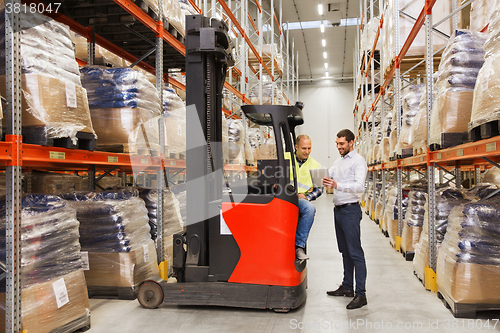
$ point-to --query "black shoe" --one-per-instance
(341, 291)
(357, 302)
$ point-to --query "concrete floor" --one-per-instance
(397, 301)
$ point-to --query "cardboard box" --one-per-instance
(451, 112)
(55, 183)
(468, 283)
(122, 269)
(410, 238)
(40, 311)
(47, 101)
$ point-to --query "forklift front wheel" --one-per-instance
(150, 294)
(282, 310)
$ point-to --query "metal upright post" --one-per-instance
(160, 172)
(297, 71)
(397, 98)
(372, 92)
(273, 88)
(458, 175)
(430, 280)
(13, 170)
(477, 174)
(261, 44)
(288, 61)
(244, 48)
(281, 43)
(294, 98)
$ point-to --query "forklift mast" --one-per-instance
(208, 55)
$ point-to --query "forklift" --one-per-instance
(238, 249)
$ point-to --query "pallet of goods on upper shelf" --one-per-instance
(54, 106)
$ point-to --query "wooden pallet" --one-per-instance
(419, 151)
(37, 135)
(448, 140)
(406, 152)
(464, 310)
(122, 293)
(408, 255)
(484, 131)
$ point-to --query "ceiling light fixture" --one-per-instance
(326, 65)
(323, 42)
(324, 55)
(320, 9)
(326, 74)
(322, 27)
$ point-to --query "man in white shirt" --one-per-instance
(347, 178)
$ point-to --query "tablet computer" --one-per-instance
(317, 176)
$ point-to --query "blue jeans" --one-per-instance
(306, 219)
(347, 229)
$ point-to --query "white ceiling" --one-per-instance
(311, 61)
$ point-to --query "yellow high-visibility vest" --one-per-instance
(304, 180)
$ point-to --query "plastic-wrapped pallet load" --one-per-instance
(114, 231)
(468, 263)
(239, 150)
(414, 219)
(174, 109)
(171, 213)
(413, 8)
(458, 70)
(269, 90)
(101, 55)
(391, 213)
(410, 102)
(53, 290)
(480, 14)
(487, 91)
(268, 51)
(124, 107)
(171, 11)
(54, 104)
(446, 199)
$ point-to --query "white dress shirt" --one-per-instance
(349, 172)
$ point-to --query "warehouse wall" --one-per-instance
(328, 109)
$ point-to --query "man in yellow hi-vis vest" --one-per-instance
(307, 193)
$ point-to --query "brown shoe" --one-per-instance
(357, 302)
(300, 254)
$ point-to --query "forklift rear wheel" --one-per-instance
(283, 310)
(150, 295)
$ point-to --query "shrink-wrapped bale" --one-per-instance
(124, 106)
(53, 289)
(53, 103)
(458, 71)
(174, 109)
(487, 91)
(114, 230)
(468, 263)
(446, 199)
(414, 219)
(410, 103)
(480, 14)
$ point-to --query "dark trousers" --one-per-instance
(347, 229)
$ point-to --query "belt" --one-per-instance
(347, 204)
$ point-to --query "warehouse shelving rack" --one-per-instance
(169, 52)
(469, 159)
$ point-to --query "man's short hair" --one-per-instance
(347, 134)
(300, 137)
